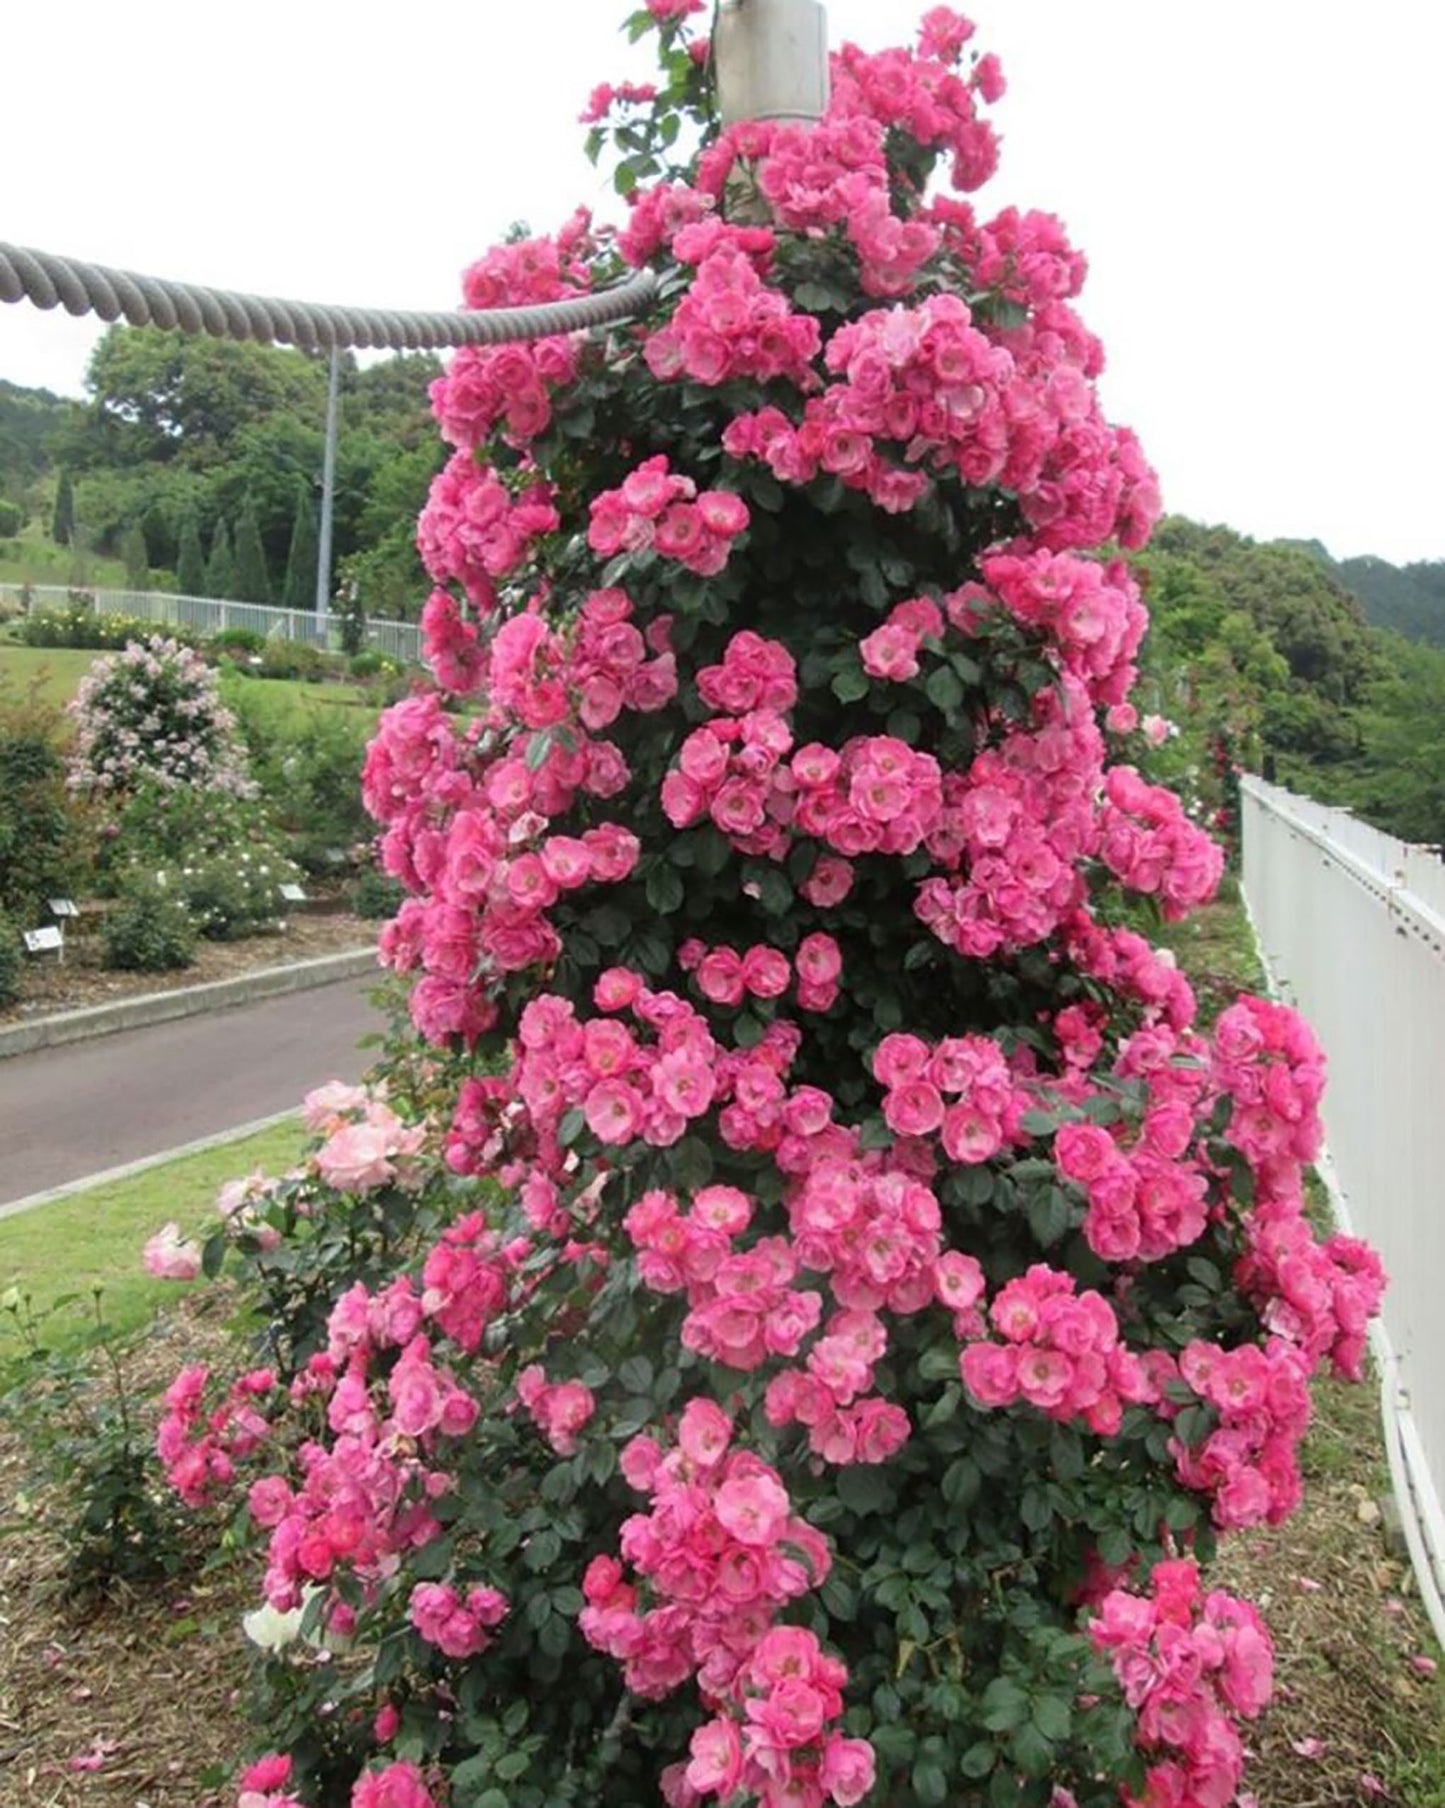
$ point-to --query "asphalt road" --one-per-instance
(69, 1112)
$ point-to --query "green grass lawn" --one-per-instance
(55, 671)
(282, 705)
(94, 1239)
(32, 557)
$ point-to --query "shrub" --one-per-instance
(236, 892)
(40, 832)
(82, 1420)
(894, 1293)
(376, 895)
(153, 715)
(238, 640)
(372, 664)
(12, 960)
(12, 517)
(149, 930)
(294, 659)
(311, 779)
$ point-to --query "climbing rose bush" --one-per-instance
(152, 715)
(868, 1291)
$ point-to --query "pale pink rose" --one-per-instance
(356, 1159)
(326, 1106)
(170, 1256)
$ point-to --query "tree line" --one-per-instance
(197, 463)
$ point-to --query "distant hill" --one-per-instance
(1410, 599)
(29, 418)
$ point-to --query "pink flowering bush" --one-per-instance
(854, 1290)
(151, 715)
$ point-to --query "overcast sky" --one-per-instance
(1256, 183)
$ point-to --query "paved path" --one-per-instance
(68, 1112)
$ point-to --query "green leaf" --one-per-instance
(978, 1760)
(930, 1782)
(850, 684)
(665, 890)
(943, 690)
(1004, 1706)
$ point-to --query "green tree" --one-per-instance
(221, 566)
(166, 396)
(137, 560)
(62, 522)
(190, 559)
(300, 587)
(253, 585)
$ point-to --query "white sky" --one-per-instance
(1256, 183)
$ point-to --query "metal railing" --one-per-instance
(1351, 927)
(209, 615)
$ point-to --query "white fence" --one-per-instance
(210, 615)
(1351, 924)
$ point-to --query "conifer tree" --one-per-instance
(190, 559)
(136, 558)
(221, 566)
(300, 586)
(253, 584)
(62, 522)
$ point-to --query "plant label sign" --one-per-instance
(293, 894)
(44, 941)
(63, 907)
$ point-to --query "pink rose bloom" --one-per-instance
(847, 1770)
(990, 1373)
(170, 1256)
(717, 1759)
(398, 1786)
(753, 1507)
(356, 1159)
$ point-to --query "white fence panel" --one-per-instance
(212, 615)
(1351, 924)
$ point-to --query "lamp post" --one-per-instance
(772, 60)
(328, 495)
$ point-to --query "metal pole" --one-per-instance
(772, 60)
(328, 489)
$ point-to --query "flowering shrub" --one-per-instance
(153, 713)
(888, 1292)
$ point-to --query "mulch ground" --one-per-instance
(124, 1702)
(316, 928)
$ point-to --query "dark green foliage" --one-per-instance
(253, 585)
(12, 518)
(190, 559)
(12, 960)
(221, 565)
(62, 520)
(299, 589)
(149, 932)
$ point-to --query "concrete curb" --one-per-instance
(185, 1001)
(124, 1172)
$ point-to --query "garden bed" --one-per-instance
(323, 926)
